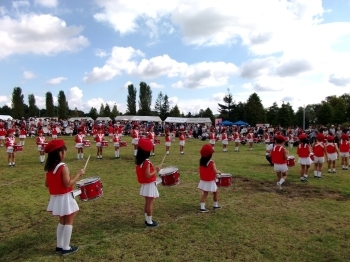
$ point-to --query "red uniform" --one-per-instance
(55, 182)
(318, 149)
(344, 146)
(207, 173)
(277, 155)
(141, 170)
(303, 150)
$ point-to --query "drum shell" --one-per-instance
(224, 180)
(91, 189)
(122, 144)
(104, 143)
(156, 141)
(17, 148)
(170, 176)
(312, 156)
(291, 161)
(86, 143)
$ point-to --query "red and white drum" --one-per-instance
(91, 188)
(86, 143)
(17, 148)
(104, 143)
(291, 161)
(122, 144)
(312, 156)
(156, 141)
(224, 180)
(170, 176)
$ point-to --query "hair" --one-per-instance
(304, 141)
(204, 160)
(141, 156)
(53, 158)
(279, 141)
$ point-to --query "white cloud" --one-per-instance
(4, 99)
(28, 75)
(155, 85)
(293, 67)
(74, 98)
(47, 3)
(38, 34)
(18, 4)
(127, 84)
(100, 53)
(56, 81)
(339, 80)
(218, 97)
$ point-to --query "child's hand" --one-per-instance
(158, 168)
(81, 172)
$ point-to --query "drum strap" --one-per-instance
(58, 166)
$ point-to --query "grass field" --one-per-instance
(304, 222)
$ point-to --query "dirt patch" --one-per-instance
(292, 190)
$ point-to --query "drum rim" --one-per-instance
(225, 175)
(169, 173)
(90, 182)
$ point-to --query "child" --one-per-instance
(167, 142)
(79, 143)
(304, 160)
(2, 134)
(116, 140)
(151, 137)
(62, 202)
(319, 150)
(40, 141)
(22, 134)
(250, 139)
(147, 176)
(135, 137)
(279, 156)
(224, 140)
(212, 139)
(54, 132)
(98, 139)
(332, 153)
(236, 139)
(344, 151)
(207, 173)
(10, 143)
(110, 131)
(290, 139)
(182, 142)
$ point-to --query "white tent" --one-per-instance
(5, 117)
(80, 118)
(140, 118)
(100, 118)
(198, 120)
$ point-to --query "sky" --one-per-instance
(194, 51)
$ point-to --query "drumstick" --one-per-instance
(163, 159)
(86, 162)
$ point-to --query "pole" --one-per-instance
(304, 118)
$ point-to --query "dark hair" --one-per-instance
(304, 140)
(141, 156)
(279, 141)
(53, 159)
(204, 160)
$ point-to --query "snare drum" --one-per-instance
(224, 180)
(170, 176)
(290, 161)
(18, 148)
(122, 144)
(104, 143)
(91, 188)
(156, 141)
(86, 143)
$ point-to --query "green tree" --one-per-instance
(175, 112)
(240, 112)
(226, 110)
(346, 99)
(325, 113)
(165, 107)
(6, 110)
(131, 100)
(272, 114)
(254, 110)
(162, 106)
(93, 113)
(33, 109)
(114, 112)
(62, 105)
(339, 108)
(285, 115)
(49, 104)
(145, 100)
(102, 110)
(209, 113)
(107, 111)
(17, 103)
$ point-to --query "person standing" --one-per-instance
(319, 151)
(304, 160)
(279, 156)
(10, 143)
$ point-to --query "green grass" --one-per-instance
(304, 222)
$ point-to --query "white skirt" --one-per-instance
(182, 143)
(9, 150)
(54, 136)
(2, 137)
(167, 143)
(62, 205)
(209, 186)
(319, 159)
(40, 148)
(116, 144)
(225, 142)
(332, 156)
(149, 190)
(212, 141)
(79, 145)
(135, 141)
(98, 144)
(22, 136)
(238, 140)
(305, 161)
(344, 154)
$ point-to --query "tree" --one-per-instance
(6, 110)
(114, 112)
(131, 100)
(285, 115)
(339, 107)
(93, 113)
(62, 105)
(165, 107)
(17, 103)
(49, 104)
(226, 110)
(174, 112)
(75, 112)
(33, 109)
(102, 110)
(209, 113)
(272, 114)
(162, 105)
(145, 100)
(107, 111)
(254, 110)
(325, 113)
(158, 104)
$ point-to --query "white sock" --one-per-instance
(82, 155)
(305, 175)
(149, 219)
(78, 156)
(40, 158)
(135, 152)
(145, 216)
(202, 205)
(319, 174)
(216, 204)
(315, 173)
(117, 152)
(67, 233)
(59, 235)
(281, 181)
(167, 152)
(22, 143)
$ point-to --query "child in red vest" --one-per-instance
(279, 156)
(62, 202)
(147, 175)
(344, 147)
(10, 143)
(304, 160)
(319, 150)
(182, 142)
(332, 153)
(207, 173)
(167, 142)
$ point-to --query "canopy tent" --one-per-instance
(199, 120)
(240, 123)
(100, 118)
(226, 123)
(5, 117)
(72, 119)
(139, 118)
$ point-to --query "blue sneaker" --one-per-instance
(154, 224)
(69, 251)
(59, 250)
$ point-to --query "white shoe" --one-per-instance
(279, 186)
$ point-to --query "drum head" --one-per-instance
(87, 181)
(167, 170)
(225, 175)
(291, 157)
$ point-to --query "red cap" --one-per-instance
(302, 136)
(145, 144)
(344, 136)
(206, 150)
(320, 137)
(330, 138)
(10, 131)
(54, 145)
(280, 138)
(40, 132)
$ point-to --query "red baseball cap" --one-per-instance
(54, 145)
(206, 150)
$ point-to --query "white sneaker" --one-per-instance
(279, 186)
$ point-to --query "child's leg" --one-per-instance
(149, 209)
(215, 200)
(13, 158)
(9, 159)
(203, 198)
(67, 221)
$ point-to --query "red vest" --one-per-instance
(330, 148)
(318, 149)
(79, 138)
(344, 146)
(141, 170)
(207, 173)
(167, 139)
(55, 182)
(116, 138)
(303, 150)
(277, 155)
